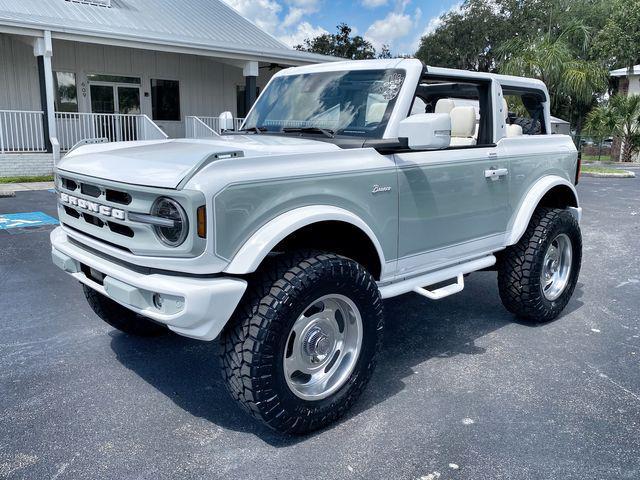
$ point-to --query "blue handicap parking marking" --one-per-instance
(29, 219)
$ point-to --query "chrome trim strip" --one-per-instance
(152, 220)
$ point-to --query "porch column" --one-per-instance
(43, 50)
(250, 72)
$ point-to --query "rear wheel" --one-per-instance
(538, 275)
(122, 318)
(303, 344)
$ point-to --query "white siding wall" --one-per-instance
(19, 86)
(207, 87)
(634, 85)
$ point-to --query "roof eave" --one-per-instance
(288, 57)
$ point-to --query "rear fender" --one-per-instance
(523, 215)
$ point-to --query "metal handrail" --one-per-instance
(22, 131)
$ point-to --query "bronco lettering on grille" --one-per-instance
(92, 206)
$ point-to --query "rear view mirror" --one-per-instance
(426, 131)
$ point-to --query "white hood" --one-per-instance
(165, 163)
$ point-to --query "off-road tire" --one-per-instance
(254, 342)
(520, 266)
(120, 317)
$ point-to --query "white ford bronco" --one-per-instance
(348, 183)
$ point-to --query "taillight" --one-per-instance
(578, 167)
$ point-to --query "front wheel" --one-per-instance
(302, 346)
(537, 276)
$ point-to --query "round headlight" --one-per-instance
(175, 235)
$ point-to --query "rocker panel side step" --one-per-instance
(418, 283)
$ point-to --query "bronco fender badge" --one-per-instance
(380, 189)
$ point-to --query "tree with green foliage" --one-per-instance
(385, 52)
(340, 44)
(600, 124)
(573, 82)
(619, 41)
(622, 116)
(471, 36)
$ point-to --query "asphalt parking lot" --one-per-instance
(462, 391)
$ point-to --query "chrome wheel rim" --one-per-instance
(323, 347)
(556, 268)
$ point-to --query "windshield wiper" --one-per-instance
(254, 129)
(325, 131)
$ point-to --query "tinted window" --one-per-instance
(165, 99)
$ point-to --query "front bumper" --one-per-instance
(193, 307)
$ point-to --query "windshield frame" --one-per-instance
(392, 80)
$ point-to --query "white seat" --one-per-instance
(514, 131)
(510, 130)
(375, 112)
(463, 126)
(444, 105)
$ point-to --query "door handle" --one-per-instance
(495, 173)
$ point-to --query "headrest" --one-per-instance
(375, 113)
(514, 131)
(505, 108)
(444, 105)
(463, 122)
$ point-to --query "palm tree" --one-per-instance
(572, 82)
(601, 124)
(621, 116)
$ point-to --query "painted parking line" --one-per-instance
(22, 220)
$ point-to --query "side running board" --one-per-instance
(417, 284)
(444, 291)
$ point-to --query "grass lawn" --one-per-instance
(592, 169)
(594, 158)
(41, 178)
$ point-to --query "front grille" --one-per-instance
(90, 190)
(121, 229)
(118, 197)
(103, 211)
(96, 192)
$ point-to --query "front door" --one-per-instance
(449, 210)
(108, 99)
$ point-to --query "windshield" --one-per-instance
(354, 103)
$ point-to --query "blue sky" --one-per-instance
(398, 23)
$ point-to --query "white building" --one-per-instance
(628, 84)
(629, 81)
(124, 70)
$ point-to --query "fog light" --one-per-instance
(157, 301)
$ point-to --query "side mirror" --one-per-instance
(226, 121)
(426, 131)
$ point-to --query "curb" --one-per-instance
(622, 174)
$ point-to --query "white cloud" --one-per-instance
(390, 28)
(264, 13)
(303, 31)
(292, 30)
(433, 24)
(294, 16)
(373, 3)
